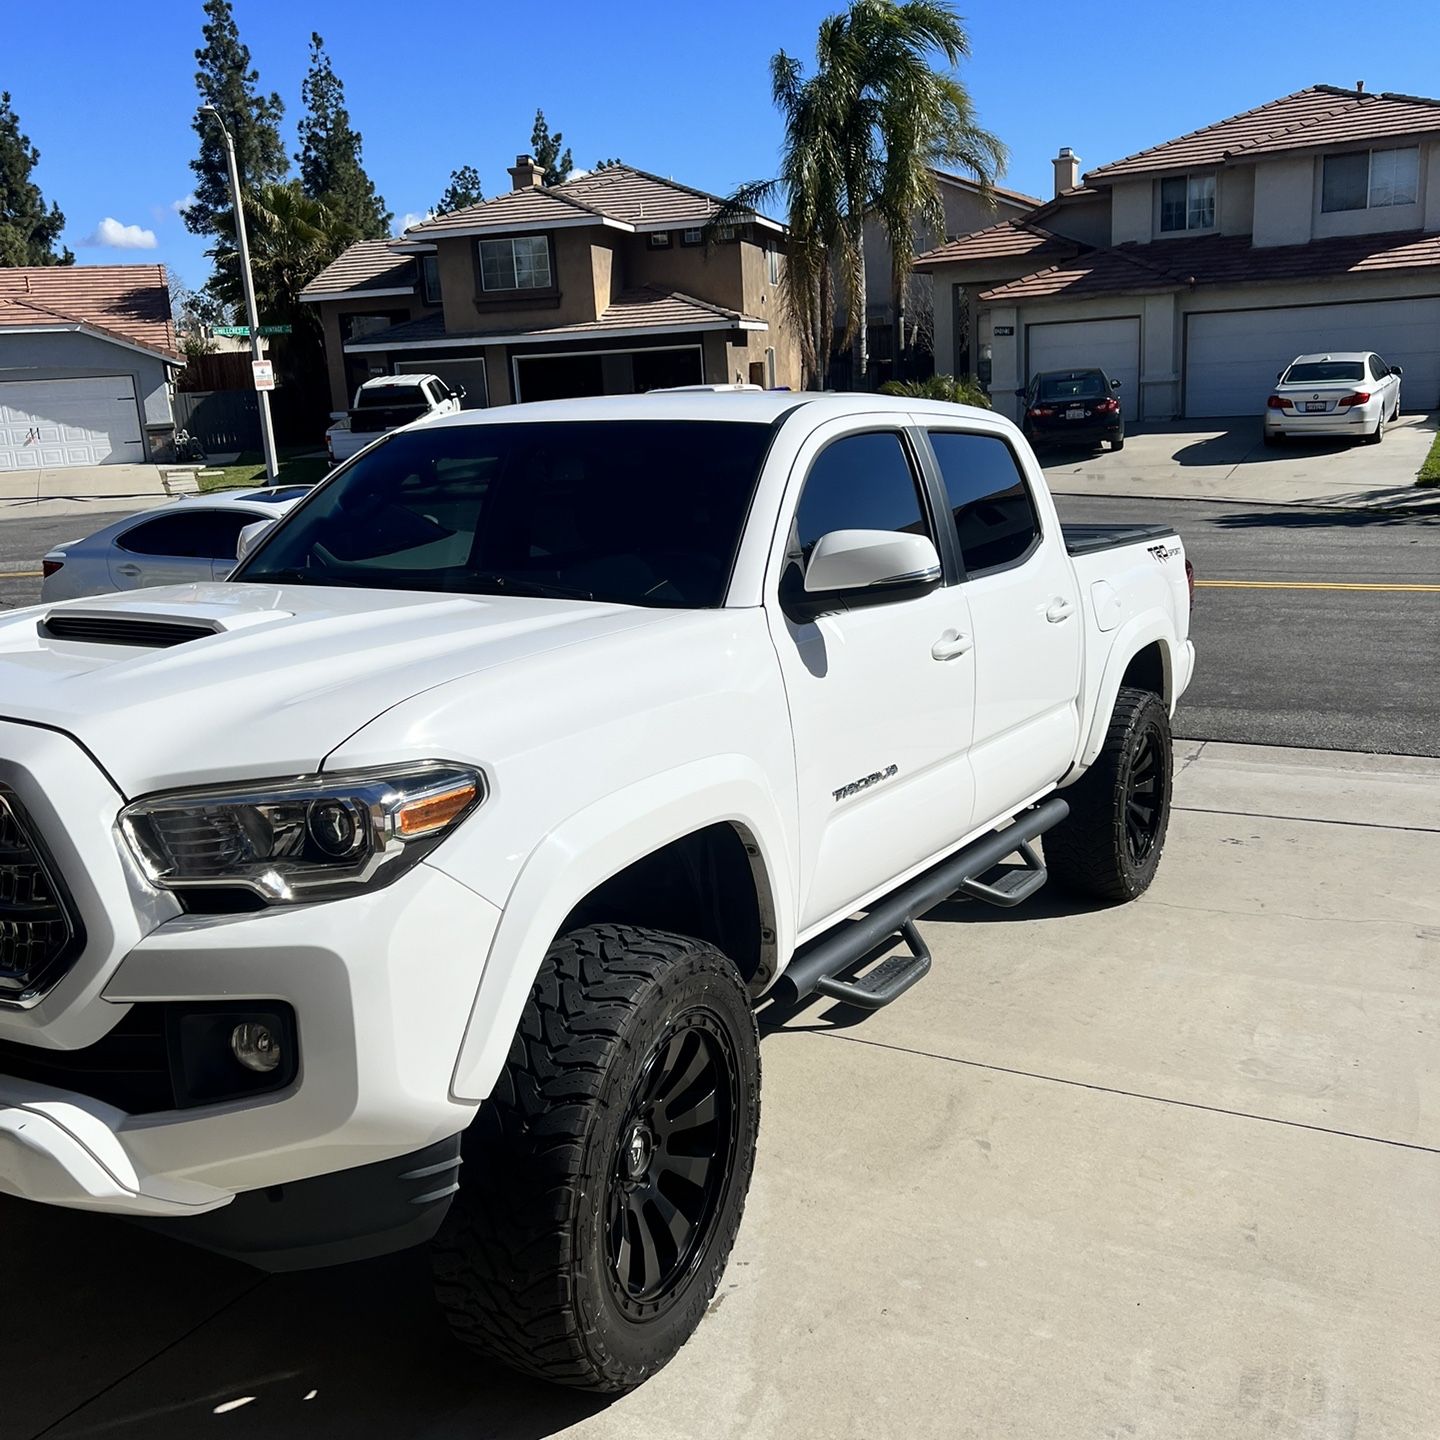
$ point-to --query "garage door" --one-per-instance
(1233, 356)
(1109, 345)
(48, 424)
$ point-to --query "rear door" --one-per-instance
(1025, 608)
(179, 548)
(881, 697)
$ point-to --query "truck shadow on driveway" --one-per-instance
(128, 1334)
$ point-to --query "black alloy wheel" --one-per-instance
(676, 1146)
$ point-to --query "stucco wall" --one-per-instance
(72, 356)
(1430, 183)
(715, 274)
(1284, 200)
(1130, 211)
(1235, 200)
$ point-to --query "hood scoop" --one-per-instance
(155, 632)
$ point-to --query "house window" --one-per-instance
(772, 260)
(1370, 179)
(659, 239)
(694, 236)
(430, 278)
(1187, 202)
(519, 262)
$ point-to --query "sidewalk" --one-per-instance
(76, 489)
(1165, 1170)
(1200, 460)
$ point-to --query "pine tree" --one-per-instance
(28, 230)
(463, 189)
(226, 80)
(331, 169)
(545, 149)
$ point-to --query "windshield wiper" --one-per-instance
(526, 586)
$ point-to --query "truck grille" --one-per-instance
(37, 934)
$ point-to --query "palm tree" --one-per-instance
(861, 135)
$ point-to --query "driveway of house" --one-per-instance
(1169, 1170)
(1226, 460)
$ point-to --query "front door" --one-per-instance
(881, 697)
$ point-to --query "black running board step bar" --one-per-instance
(1014, 885)
(888, 981)
(855, 940)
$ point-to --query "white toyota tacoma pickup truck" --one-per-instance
(384, 404)
(418, 882)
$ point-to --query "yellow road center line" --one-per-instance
(1311, 585)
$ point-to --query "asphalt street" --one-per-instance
(1326, 668)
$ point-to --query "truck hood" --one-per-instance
(259, 680)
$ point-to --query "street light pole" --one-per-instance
(252, 314)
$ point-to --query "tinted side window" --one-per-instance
(202, 534)
(863, 482)
(995, 518)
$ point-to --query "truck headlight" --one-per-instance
(289, 841)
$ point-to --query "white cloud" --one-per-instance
(181, 205)
(412, 217)
(112, 235)
(578, 174)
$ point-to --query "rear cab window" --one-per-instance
(996, 522)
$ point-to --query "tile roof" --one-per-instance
(647, 308)
(1367, 117)
(366, 265)
(619, 192)
(128, 302)
(1319, 111)
(1013, 197)
(1009, 240)
(1220, 260)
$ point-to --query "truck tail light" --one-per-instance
(1190, 581)
(1358, 397)
(50, 567)
(1278, 402)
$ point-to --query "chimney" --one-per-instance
(525, 174)
(1067, 169)
(1359, 87)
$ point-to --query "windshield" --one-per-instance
(1073, 385)
(634, 512)
(1309, 372)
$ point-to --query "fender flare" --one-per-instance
(588, 848)
(1129, 641)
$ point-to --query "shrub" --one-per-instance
(940, 387)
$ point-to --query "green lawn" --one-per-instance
(1430, 470)
(249, 471)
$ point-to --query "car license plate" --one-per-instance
(1315, 405)
(1075, 412)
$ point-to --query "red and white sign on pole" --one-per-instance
(264, 374)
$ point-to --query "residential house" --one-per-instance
(1195, 270)
(87, 365)
(607, 284)
(967, 208)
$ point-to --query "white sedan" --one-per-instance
(187, 540)
(1347, 392)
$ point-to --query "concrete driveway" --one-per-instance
(1226, 460)
(1166, 1171)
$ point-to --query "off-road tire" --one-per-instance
(1090, 852)
(524, 1265)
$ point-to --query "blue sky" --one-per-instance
(106, 91)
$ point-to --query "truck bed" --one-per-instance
(1091, 539)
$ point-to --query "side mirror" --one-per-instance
(849, 569)
(1397, 371)
(1279, 374)
(1021, 394)
(250, 537)
(1114, 384)
(458, 393)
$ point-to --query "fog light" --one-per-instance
(256, 1047)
